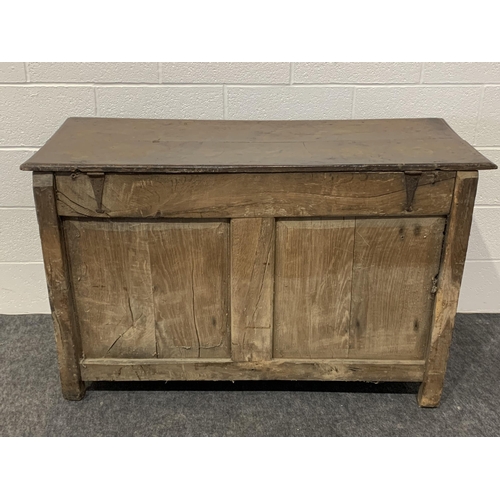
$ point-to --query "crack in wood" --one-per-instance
(266, 269)
(71, 203)
(132, 326)
(194, 312)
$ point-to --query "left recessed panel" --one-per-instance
(150, 289)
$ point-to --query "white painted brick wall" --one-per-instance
(484, 240)
(161, 102)
(15, 186)
(488, 129)
(12, 72)
(461, 73)
(356, 73)
(459, 106)
(488, 189)
(239, 72)
(35, 98)
(30, 114)
(289, 103)
(18, 231)
(23, 289)
(480, 290)
(93, 72)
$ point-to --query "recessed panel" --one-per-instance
(150, 289)
(313, 288)
(395, 263)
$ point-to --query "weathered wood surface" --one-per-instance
(255, 195)
(395, 263)
(138, 145)
(190, 276)
(252, 286)
(448, 288)
(319, 260)
(59, 288)
(335, 369)
(313, 288)
(150, 289)
(111, 279)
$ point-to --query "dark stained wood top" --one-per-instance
(184, 146)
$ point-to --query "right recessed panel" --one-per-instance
(395, 261)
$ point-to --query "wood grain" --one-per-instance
(395, 262)
(190, 276)
(255, 195)
(448, 288)
(150, 289)
(313, 288)
(68, 343)
(217, 369)
(138, 145)
(111, 276)
(252, 287)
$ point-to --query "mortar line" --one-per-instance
(19, 148)
(14, 207)
(95, 101)
(482, 260)
(27, 262)
(224, 102)
(479, 113)
(252, 85)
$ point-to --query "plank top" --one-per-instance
(189, 146)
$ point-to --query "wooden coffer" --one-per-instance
(191, 250)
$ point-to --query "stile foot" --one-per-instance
(429, 394)
(74, 392)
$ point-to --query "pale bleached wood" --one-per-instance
(190, 276)
(395, 263)
(217, 369)
(111, 276)
(313, 288)
(448, 288)
(255, 195)
(150, 289)
(59, 288)
(252, 279)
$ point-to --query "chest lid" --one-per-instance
(189, 146)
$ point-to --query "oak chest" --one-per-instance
(229, 250)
